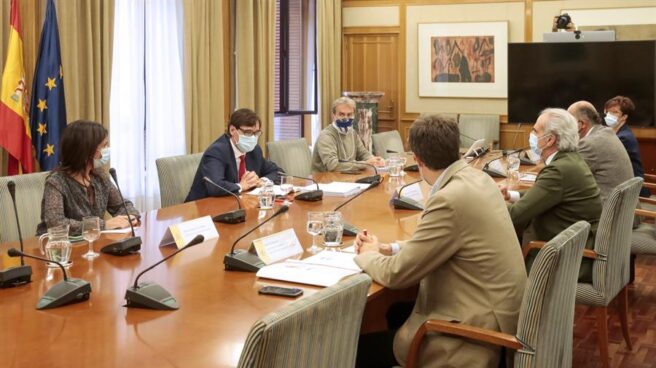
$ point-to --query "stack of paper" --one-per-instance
(338, 188)
(323, 269)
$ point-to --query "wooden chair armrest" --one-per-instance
(650, 177)
(457, 329)
(535, 244)
(589, 253)
(647, 200)
(645, 213)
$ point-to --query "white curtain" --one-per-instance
(146, 100)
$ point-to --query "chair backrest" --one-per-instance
(176, 174)
(546, 318)
(29, 192)
(387, 141)
(320, 330)
(611, 272)
(293, 156)
(478, 126)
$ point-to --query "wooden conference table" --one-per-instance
(217, 307)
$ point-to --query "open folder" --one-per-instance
(323, 269)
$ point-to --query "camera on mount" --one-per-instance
(563, 20)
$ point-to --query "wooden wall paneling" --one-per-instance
(514, 136)
(370, 62)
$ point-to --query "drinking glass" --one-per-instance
(394, 166)
(314, 228)
(332, 229)
(266, 196)
(90, 233)
(286, 184)
(56, 247)
(512, 172)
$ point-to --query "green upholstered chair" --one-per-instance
(319, 330)
(611, 267)
(478, 126)
(387, 141)
(546, 317)
(29, 192)
(293, 156)
(176, 174)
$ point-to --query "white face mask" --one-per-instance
(611, 120)
(104, 158)
(246, 143)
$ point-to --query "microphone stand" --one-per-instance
(406, 203)
(129, 245)
(309, 196)
(231, 217)
(18, 275)
(65, 292)
(350, 230)
(372, 180)
(242, 259)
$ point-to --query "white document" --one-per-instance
(413, 192)
(304, 273)
(338, 188)
(332, 259)
(276, 191)
(528, 177)
(118, 231)
(279, 246)
(182, 233)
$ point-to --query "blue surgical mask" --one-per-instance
(343, 125)
(533, 142)
(104, 158)
(611, 120)
(246, 143)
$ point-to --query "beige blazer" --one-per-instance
(466, 258)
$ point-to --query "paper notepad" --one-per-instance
(323, 269)
(338, 188)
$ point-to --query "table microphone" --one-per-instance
(126, 246)
(309, 196)
(373, 180)
(231, 217)
(493, 172)
(243, 260)
(412, 167)
(64, 292)
(150, 295)
(350, 230)
(406, 203)
(19, 275)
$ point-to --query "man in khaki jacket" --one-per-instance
(464, 255)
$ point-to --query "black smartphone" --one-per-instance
(282, 291)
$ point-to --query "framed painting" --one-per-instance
(463, 59)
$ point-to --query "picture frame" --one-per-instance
(467, 59)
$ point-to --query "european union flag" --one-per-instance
(48, 107)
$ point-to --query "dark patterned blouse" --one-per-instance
(66, 201)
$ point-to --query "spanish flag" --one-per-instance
(15, 134)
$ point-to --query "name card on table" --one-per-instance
(182, 233)
(276, 247)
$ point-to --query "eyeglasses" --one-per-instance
(250, 133)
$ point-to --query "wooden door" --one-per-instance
(370, 62)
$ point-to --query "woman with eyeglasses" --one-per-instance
(79, 187)
(234, 162)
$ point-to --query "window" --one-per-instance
(295, 67)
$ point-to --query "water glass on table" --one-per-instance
(286, 184)
(90, 233)
(57, 246)
(394, 166)
(333, 228)
(314, 228)
(512, 171)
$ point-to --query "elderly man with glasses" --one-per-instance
(564, 191)
(234, 161)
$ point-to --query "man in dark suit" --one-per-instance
(563, 193)
(601, 149)
(234, 161)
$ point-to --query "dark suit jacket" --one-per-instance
(564, 192)
(631, 144)
(218, 163)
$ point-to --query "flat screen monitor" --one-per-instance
(544, 75)
(579, 36)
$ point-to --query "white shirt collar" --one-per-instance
(235, 150)
(589, 131)
(551, 156)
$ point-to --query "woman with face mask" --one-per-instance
(618, 110)
(80, 186)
